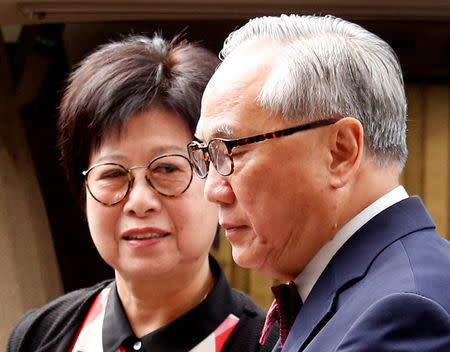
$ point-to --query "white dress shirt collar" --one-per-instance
(310, 274)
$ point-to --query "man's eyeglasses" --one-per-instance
(109, 183)
(219, 150)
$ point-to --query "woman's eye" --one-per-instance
(114, 173)
(165, 168)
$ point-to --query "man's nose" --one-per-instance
(142, 198)
(217, 188)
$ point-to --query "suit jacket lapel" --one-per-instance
(351, 263)
(317, 307)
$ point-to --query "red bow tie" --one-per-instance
(284, 308)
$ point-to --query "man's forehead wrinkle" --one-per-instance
(232, 93)
(213, 121)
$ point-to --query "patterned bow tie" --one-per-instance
(284, 308)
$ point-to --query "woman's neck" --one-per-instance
(153, 303)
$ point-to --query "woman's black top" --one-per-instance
(55, 326)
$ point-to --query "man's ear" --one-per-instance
(346, 149)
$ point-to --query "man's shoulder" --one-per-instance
(407, 275)
(409, 320)
(399, 251)
(47, 322)
(416, 263)
(428, 260)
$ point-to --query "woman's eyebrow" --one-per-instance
(168, 149)
(111, 158)
(157, 151)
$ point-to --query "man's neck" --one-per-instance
(310, 274)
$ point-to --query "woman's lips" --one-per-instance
(142, 237)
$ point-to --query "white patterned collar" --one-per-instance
(306, 280)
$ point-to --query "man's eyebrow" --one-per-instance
(223, 131)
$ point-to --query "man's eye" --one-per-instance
(239, 151)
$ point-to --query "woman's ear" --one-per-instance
(346, 148)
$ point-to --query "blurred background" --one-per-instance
(45, 245)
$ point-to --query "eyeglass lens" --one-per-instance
(169, 175)
(197, 157)
(220, 157)
(217, 151)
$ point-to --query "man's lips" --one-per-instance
(144, 233)
(229, 227)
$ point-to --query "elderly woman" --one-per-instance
(127, 114)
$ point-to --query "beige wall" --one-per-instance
(28, 268)
(428, 167)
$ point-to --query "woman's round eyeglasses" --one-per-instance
(109, 183)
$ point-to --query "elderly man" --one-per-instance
(304, 123)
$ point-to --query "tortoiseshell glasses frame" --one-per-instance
(219, 150)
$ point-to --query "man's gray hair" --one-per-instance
(327, 67)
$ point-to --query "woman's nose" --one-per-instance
(142, 198)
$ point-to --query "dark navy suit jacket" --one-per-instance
(387, 289)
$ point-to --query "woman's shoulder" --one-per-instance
(248, 331)
(247, 304)
(54, 319)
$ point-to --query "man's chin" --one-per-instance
(246, 258)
